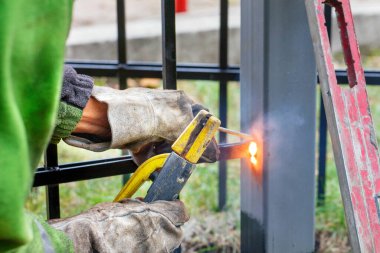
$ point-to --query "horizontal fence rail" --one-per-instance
(152, 70)
(185, 71)
(371, 77)
(72, 172)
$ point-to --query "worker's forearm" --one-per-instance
(94, 120)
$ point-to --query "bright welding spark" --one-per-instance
(253, 151)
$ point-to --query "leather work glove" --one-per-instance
(141, 119)
(126, 226)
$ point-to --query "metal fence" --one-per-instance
(53, 174)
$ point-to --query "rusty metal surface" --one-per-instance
(350, 125)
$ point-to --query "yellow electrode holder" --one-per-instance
(190, 145)
(194, 140)
(141, 175)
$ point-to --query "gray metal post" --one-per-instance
(278, 91)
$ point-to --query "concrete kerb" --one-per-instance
(197, 37)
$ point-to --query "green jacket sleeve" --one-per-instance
(32, 45)
(68, 117)
(75, 93)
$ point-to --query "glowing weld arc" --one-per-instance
(253, 151)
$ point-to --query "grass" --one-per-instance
(331, 230)
(209, 230)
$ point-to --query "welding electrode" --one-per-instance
(236, 133)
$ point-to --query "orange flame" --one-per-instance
(253, 151)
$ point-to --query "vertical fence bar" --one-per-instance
(322, 146)
(52, 191)
(223, 103)
(122, 55)
(169, 72)
(322, 149)
(169, 64)
(121, 41)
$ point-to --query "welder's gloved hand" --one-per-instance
(210, 155)
(140, 117)
(128, 226)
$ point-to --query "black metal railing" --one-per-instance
(53, 174)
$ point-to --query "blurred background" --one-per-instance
(93, 36)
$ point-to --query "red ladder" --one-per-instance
(350, 126)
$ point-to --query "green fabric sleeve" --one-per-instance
(32, 46)
(68, 118)
(40, 244)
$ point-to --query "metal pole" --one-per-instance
(322, 147)
(122, 56)
(223, 102)
(278, 79)
(52, 191)
(169, 64)
(121, 41)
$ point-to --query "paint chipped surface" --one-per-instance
(351, 127)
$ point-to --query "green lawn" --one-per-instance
(200, 193)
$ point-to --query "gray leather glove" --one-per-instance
(139, 117)
(128, 226)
